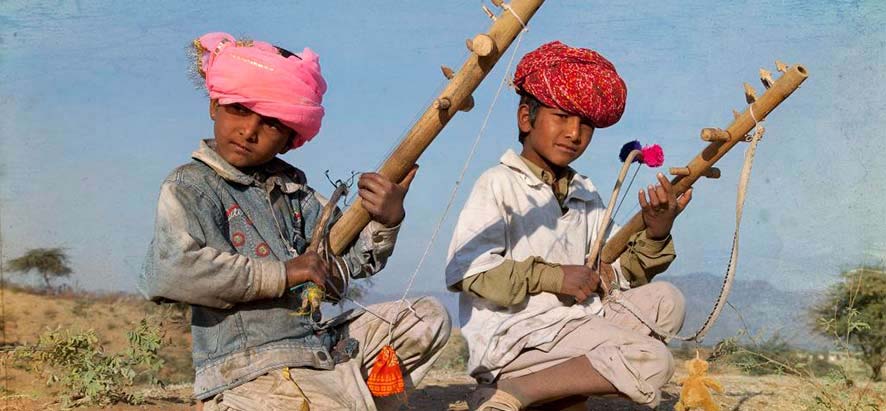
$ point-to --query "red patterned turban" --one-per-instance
(576, 80)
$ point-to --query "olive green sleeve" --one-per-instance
(512, 281)
(645, 257)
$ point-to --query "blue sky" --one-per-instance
(96, 108)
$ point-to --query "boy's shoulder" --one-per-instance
(191, 173)
(511, 173)
(509, 167)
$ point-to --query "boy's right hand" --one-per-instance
(579, 281)
(306, 267)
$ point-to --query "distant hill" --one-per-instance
(765, 308)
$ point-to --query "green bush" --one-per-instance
(88, 375)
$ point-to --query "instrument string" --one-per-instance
(504, 81)
(626, 191)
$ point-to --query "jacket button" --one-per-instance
(321, 355)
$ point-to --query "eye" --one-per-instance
(239, 109)
(273, 124)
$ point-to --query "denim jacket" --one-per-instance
(220, 242)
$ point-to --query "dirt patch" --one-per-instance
(446, 387)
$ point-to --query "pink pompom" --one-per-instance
(653, 156)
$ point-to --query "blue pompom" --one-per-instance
(627, 148)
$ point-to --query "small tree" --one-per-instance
(49, 262)
(855, 313)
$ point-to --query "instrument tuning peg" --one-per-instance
(489, 13)
(749, 93)
(447, 72)
(781, 66)
(481, 44)
(498, 3)
(735, 114)
(714, 134)
(766, 78)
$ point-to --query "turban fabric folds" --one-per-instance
(255, 74)
(576, 80)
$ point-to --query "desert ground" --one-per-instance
(26, 315)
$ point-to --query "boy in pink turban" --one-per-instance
(537, 331)
(231, 237)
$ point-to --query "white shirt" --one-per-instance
(512, 214)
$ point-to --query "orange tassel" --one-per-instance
(385, 378)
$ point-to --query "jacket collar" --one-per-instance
(275, 172)
(580, 187)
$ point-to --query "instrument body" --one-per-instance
(756, 112)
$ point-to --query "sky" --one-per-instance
(97, 107)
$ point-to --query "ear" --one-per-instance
(288, 145)
(213, 107)
(524, 123)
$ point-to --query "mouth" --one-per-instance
(567, 149)
(240, 148)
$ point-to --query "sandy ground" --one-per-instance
(445, 388)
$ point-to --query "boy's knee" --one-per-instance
(638, 368)
(672, 308)
(434, 318)
(661, 366)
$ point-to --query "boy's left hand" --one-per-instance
(662, 208)
(384, 199)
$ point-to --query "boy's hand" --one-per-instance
(579, 281)
(662, 208)
(306, 267)
(384, 199)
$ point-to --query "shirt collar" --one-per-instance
(546, 176)
(277, 171)
(580, 187)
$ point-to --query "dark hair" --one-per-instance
(530, 101)
(286, 53)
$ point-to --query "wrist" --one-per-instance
(292, 275)
(394, 222)
(551, 278)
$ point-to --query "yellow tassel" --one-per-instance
(386, 378)
(694, 393)
(311, 298)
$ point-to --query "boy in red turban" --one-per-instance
(537, 332)
(231, 240)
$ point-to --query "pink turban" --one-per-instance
(576, 80)
(256, 75)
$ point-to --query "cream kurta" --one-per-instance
(512, 214)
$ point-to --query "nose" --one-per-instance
(573, 128)
(250, 126)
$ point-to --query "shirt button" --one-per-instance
(321, 355)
